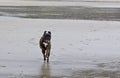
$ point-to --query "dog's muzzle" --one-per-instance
(47, 41)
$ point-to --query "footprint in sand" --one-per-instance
(2, 66)
(96, 39)
(9, 53)
(63, 48)
(94, 30)
(32, 41)
(101, 65)
(81, 41)
(71, 44)
(80, 49)
(20, 65)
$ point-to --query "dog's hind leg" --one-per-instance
(48, 54)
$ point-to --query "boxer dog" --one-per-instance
(45, 45)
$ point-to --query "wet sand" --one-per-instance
(61, 12)
(80, 48)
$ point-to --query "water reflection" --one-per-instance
(45, 71)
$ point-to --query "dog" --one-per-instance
(45, 45)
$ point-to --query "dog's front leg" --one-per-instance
(43, 51)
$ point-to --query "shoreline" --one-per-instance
(61, 12)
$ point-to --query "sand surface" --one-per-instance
(80, 48)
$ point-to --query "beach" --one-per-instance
(85, 38)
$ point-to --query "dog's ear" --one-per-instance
(44, 32)
(49, 32)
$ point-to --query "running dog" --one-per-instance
(45, 45)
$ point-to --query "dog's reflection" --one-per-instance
(45, 71)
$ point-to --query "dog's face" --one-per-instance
(47, 36)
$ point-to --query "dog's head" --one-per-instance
(47, 36)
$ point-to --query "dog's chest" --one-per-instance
(45, 44)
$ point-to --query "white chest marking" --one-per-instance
(45, 44)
